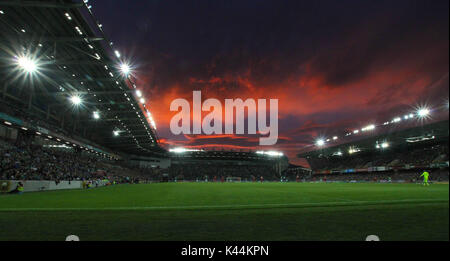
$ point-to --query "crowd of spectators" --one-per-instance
(296, 173)
(25, 162)
(210, 171)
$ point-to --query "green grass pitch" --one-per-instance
(230, 211)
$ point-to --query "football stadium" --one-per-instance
(81, 156)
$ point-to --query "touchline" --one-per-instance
(212, 122)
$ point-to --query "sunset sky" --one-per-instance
(333, 65)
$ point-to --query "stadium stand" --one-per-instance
(406, 154)
(220, 165)
(418, 156)
(295, 173)
(22, 162)
(209, 171)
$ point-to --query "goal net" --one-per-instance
(233, 179)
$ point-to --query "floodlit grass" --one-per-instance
(230, 211)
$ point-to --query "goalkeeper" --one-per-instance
(425, 176)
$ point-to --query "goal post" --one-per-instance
(233, 179)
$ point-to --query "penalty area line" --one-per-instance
(242, 206)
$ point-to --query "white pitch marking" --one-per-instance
(321, 204)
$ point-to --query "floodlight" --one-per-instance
(274, 153)
(382, 145)
(96, 115)
(125, 68)
(398, 119)
(367, 128)
(116, 133)
(142, 100)
(76, 100)
(178, 150)
(182, 150)
(422, 113)
(138, 93)
(338, 153)
(320, 142)
(27, 64)
(353, 150)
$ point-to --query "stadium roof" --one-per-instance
(57, 66)
(438, 132)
